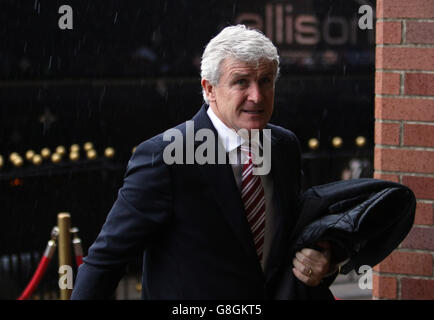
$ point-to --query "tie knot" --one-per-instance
(250, 151)
(246, 150)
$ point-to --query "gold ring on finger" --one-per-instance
(309, 272)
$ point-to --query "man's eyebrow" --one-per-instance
(268, 74)
(243, 75)
(239, 75)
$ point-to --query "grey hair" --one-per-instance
(240, 43)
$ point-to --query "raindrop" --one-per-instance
(116, 17)
(145, 53)
(162, 88)
(49, 62)
(24, 64)
(101, 97)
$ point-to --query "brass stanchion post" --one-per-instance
(64, 245)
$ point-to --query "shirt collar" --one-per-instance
(229, 137)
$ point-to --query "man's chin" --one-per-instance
(251, 125)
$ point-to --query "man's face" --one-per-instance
(244, 95)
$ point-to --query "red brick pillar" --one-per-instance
(404, 138)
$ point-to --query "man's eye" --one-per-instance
(265, 81)
(241, 82)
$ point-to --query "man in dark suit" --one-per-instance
(211, 229)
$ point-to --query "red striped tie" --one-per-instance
(252, 194)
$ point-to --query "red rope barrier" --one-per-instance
(39, 273)
(78, 260)
(78, 250)
(46, 259)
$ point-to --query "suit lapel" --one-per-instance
(283, 206)
(279, 205)
(221, 179)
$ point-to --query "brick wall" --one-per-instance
(404, 138)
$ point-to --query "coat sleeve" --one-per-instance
(142, 208)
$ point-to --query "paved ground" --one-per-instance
(345, 287)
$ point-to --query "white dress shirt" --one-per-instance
(231, 141)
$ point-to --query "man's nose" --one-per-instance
(255, 94)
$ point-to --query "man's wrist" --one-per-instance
(336, 267)
(332, 270)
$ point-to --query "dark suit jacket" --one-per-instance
(190, 222)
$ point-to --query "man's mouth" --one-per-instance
(259, 111)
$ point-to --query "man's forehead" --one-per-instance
(232, 66)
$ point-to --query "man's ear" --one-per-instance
(209, 90)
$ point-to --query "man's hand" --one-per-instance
(310, 266)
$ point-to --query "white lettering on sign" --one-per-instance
(283, 26)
